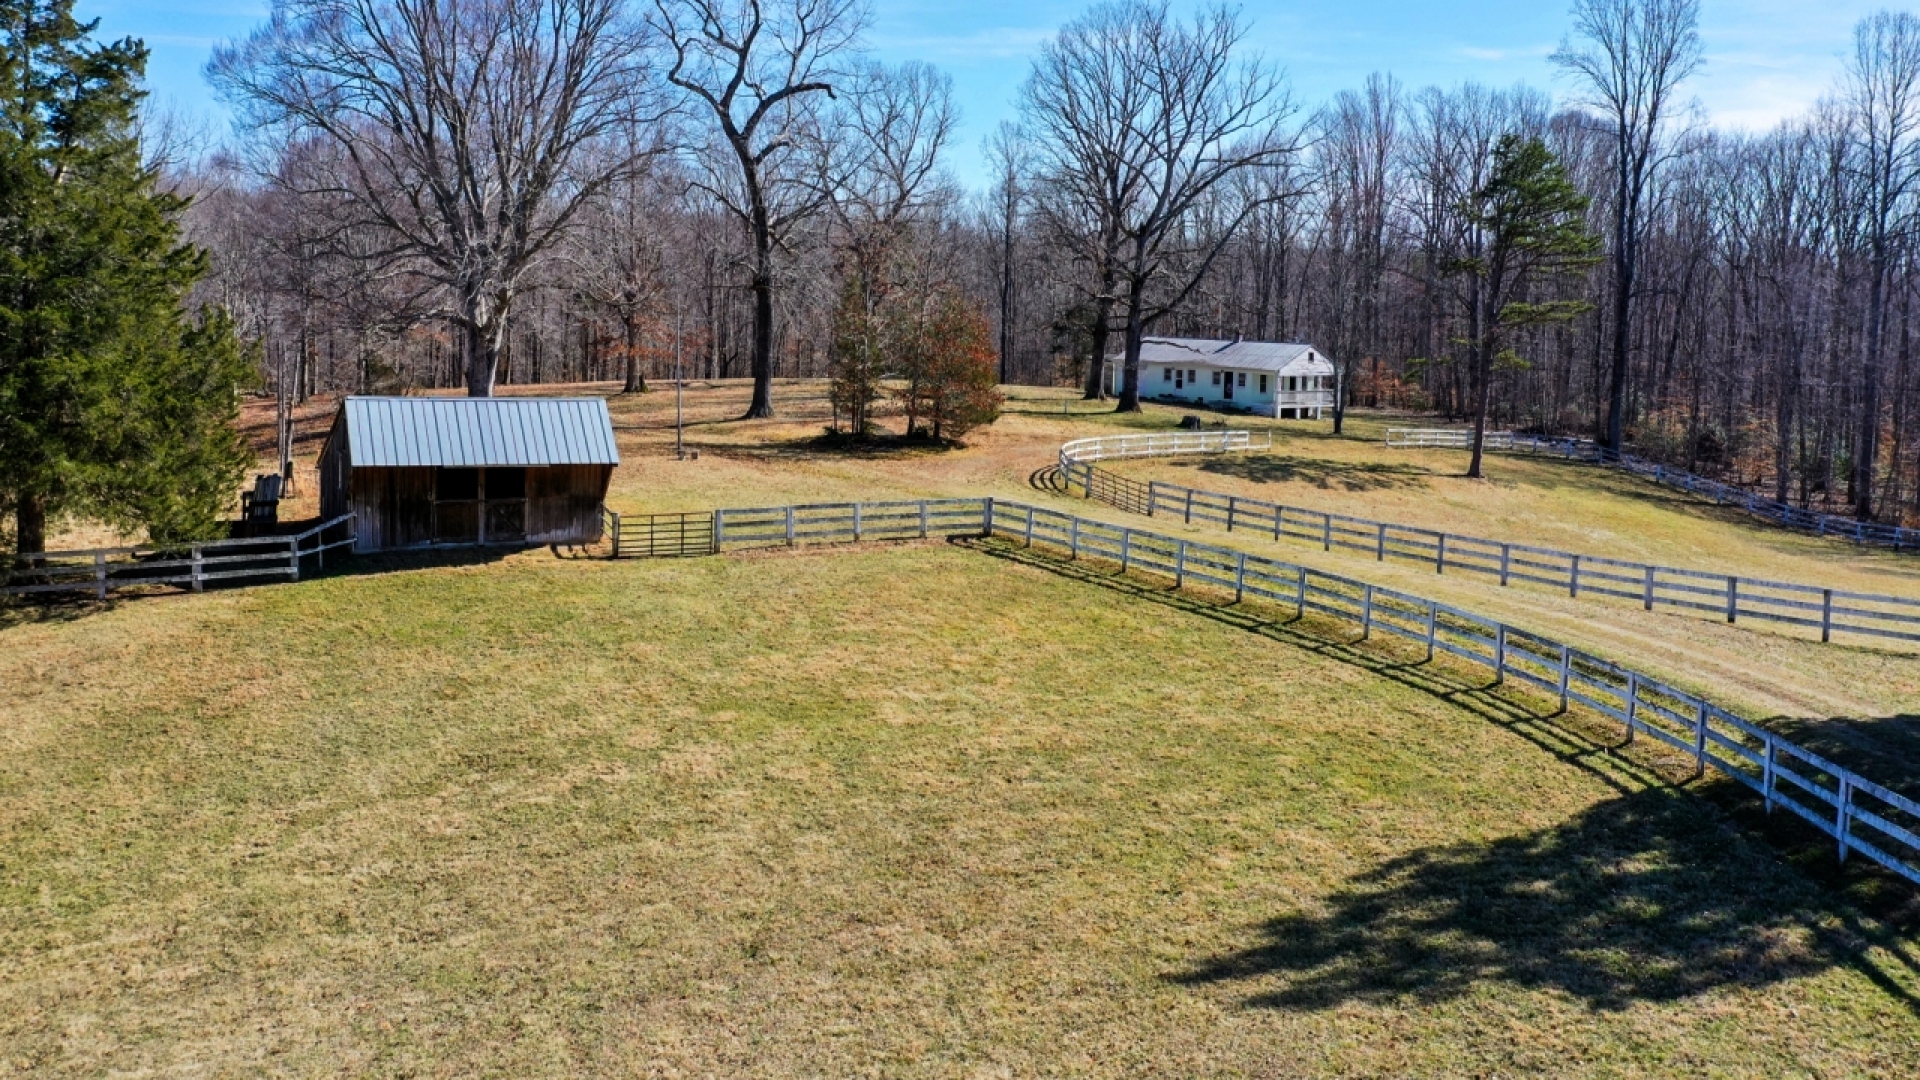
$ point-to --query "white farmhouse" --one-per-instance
(1270, 378)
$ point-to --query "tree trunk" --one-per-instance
(1097, 367)
(762, 406)
(1136, 330)
(30, 526)
(1868, 445)
(635, 383)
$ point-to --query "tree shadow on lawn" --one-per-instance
(1646, 897)
(1321, 473)
(1658, 894)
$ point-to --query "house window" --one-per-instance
(1216, 378)
(1193, 375)
(1243, 378)
(1263, 384)
(1166, 374)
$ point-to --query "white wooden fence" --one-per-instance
(1723, 494)
(1862, 817)
(1159, 444)
(191, 566)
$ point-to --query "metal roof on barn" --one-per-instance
(1290, 357)
(409, 432)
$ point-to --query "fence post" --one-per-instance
(1153, 494)
(1433, 626)
(1087, 474)
(1180, 566)
(293, 562)
(1380, 544)
(1843, 814)
(986, 518)
(923, 519)
(100, 573)
(1366, 613)
(1188, 518)
(1499, 653)
(1766, 775)
(1326, 533)
(1633, 702)
(1700, 741)
(1573, 578)
(1300, 596)
(1240, 578)
(1826, 615)
(1279, 513)
(1073, 537)
(1733, 596)
(790, 540)
(1506, 559)
(1029, 526)
(1646, 590)
(199, 569)
(719, 529)
(1232, 505)
(1126, 549)
(1566, 674)
(1440, 555)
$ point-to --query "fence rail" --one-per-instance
(1722, 493)
(1859, 815)
(1729, 596)
(102, 570)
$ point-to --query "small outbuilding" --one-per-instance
(1285, 380)
(430, 471)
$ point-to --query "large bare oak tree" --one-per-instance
(470, 132)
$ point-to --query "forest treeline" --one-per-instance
(436, 194)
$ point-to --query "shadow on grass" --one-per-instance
(1885, 748)
(1646, 897)
(1329, 475)
(1652, 895)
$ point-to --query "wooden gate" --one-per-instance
(662, 536)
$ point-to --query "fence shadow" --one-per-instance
(1702, 881)
(1886, 748)
(1640, 898)
(1269, 468)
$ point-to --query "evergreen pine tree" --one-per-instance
(115, 401)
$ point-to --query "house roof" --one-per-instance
(1240, 355)
(405, 432)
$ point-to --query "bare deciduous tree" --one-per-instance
(470, 132)
(756, 68)
(1633, 55)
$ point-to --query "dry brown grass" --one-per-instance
(903, 810)
(916, 810)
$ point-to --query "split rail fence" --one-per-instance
(100, 571)
(1859, 815)
(1723, 494)
(1729, 596)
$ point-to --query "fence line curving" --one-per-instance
(1728, 596)
(1861, 817)
(1723, 494)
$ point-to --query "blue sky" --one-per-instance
(1766, 59)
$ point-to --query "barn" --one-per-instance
(1285, 380)
(435, 472)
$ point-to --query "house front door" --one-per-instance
(1227, 390)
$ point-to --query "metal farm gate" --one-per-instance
(661, 536)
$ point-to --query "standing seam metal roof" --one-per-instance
(1240, 355)
(407, 432)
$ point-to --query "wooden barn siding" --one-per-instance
(563, 503)
(336, 471)
(395, 509)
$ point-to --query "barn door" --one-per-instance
(506, 505)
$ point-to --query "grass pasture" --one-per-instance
(933, 809)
